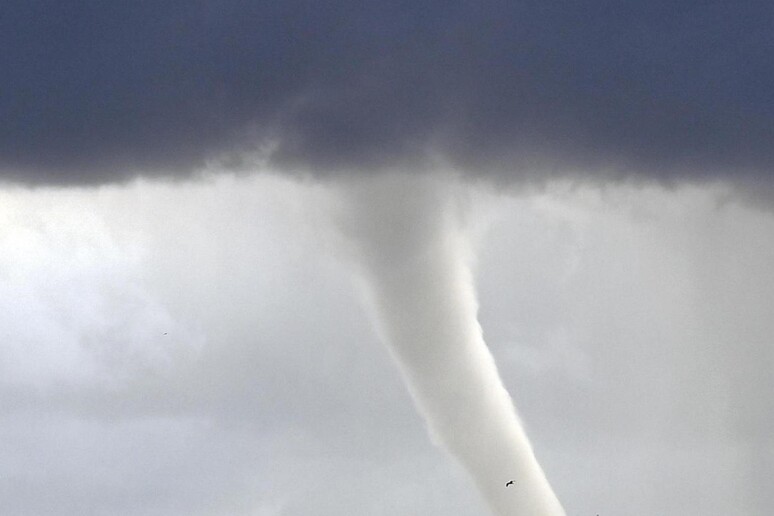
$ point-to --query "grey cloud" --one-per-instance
(100, 91)
(663, 295)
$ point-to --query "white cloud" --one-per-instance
(632, 327)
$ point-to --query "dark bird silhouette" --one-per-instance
(509, 483)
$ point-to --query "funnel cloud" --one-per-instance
(408, 239)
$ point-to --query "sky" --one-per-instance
(631, 326)
(214, 216)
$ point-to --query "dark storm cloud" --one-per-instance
(95, 91)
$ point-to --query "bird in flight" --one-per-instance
(509, 483)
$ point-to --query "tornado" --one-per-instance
(407, 235)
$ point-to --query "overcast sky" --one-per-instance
(201, 348)
(184, 330)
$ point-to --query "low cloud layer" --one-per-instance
(97, 92)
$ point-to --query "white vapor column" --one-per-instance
(413, 251)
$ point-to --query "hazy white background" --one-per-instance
(201, 349)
